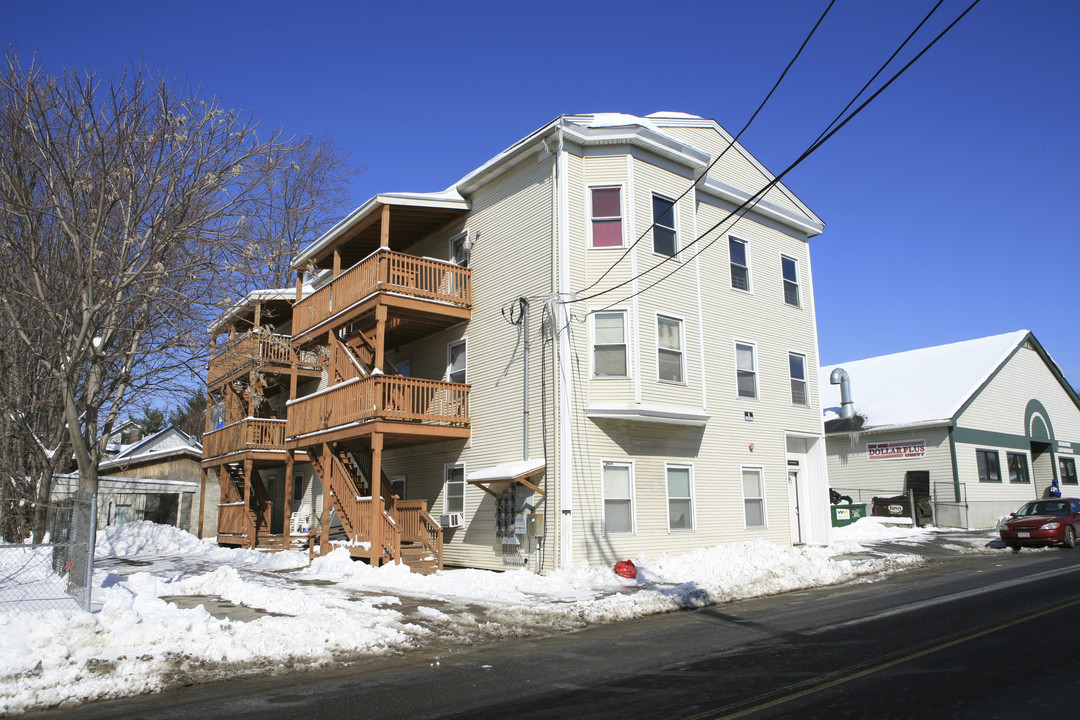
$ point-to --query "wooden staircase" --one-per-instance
(408, 532)
(259, 505)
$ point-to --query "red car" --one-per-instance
(1054, 521)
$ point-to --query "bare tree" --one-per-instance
(33, 439)
(123, 220)
(303, 198)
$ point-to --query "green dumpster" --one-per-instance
(846, 514)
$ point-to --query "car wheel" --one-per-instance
(1014, 547)
(1070, 537)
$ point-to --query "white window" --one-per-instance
(459, 253)
(797, 369)
(456, 362)
(609, 344)
(618, 498)
(740, 264)
(680, 497)
(669, 349)
(397, 485)
(606, 216)
(454, 488)
(753, 497)
(664, 238)
(789, 267)
(746, 370)
(297, 487)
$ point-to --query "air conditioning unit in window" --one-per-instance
(450, 520)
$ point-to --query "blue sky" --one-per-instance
(946, 202)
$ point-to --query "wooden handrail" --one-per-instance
(231, 519)
(380, 397)
(419, 526)
(385, 271)
(247, 434)
(255, 347)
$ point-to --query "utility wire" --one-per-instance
(734, 140)
(760, 194)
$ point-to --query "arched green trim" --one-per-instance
(1037, 425)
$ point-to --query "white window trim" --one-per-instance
(633, 500)
(449, 357)
(463, 235)
(682, 346)
(622, 218)
(757, 372)
(760, 470)
(806, 380)
(447, 467)
(798, 283)
(626, 344)
(674, 224)
(749, 274)
(693, 503)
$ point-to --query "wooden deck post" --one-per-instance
(384, 229)
(380, 338)
(202, 501)
(376, 499)
(288, 509)
(251, 529)
(324, 525)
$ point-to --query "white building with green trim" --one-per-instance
(979, 427)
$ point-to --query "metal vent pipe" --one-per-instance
(840, 377)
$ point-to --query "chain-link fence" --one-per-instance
(57, 574)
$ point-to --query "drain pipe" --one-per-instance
(525, 415)
(840, 377)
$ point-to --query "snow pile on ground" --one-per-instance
(874, 529)
(301, 616)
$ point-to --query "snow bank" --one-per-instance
(338, 608)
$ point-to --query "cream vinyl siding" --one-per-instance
(512, 225)
(1001, 405)
(514, 255)
(989, 501)
(735, 168)
(718, 451)
(851, 473)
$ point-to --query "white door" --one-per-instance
(793, 509)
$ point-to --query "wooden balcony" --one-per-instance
(441, 288)
(393, 404)
(249, 435)
(262, 349)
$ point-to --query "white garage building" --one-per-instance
(975, 428)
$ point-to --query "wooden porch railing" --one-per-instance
(231, 519)
(255, 347)
(385, 271)
(418, 526)
(380, 397)
(248, 434)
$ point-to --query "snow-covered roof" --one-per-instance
(170, 441)
(249, 300)
(507, 471)
(918, 387)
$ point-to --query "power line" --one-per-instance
(734, 140)
(752, 201)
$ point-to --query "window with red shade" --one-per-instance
(607, 217)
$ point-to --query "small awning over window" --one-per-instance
(518, 472)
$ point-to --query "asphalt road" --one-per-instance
(972, 636)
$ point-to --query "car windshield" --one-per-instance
(1047, 507)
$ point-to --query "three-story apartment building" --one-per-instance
(590, 347)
